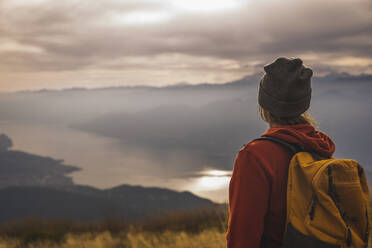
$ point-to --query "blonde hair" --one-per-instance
(304, 118)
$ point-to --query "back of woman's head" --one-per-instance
(285, 93)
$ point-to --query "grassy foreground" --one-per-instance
(202, 228)
(207, 239)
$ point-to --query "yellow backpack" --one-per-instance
(327, 201)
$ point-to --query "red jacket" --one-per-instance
(257, 191)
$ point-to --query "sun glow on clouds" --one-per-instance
(142, 17)
(205, 5)
(212, 180)
(172, 8)
(210, 183)
(217, 173)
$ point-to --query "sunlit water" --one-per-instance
(104, 163)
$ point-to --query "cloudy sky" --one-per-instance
(72, 43)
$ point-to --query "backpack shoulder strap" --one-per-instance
(294, 148)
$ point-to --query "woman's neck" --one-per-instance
(272, 125)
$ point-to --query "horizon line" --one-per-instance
(344, 75)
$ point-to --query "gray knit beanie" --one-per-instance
(285, 89)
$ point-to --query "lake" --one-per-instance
(106, 162)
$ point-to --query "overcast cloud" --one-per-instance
(62, 44)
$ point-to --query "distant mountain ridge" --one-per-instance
(254, 79)
(88, 203)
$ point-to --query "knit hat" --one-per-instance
(285, 89)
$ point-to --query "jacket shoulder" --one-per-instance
(265, 149)
(254, 145)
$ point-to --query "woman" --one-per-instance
(257, 191)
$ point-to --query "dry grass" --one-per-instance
(204, 228)
(212, 238)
